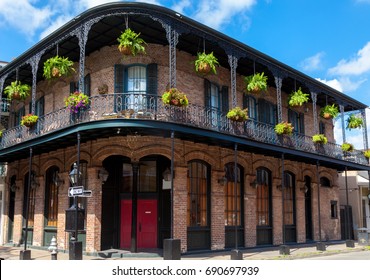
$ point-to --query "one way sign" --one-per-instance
(75, 191)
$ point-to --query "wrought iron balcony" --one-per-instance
(143, 106)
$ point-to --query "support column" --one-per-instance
(39, 218)
(34, 62)
(217, 211)
(364, 130)
(233, 62)
(173, 39)
(341, 108)
(320, 246)
(250, 228)
(278, 83)
(135, 173)
(314, 112)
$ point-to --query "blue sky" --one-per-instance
(327, 40)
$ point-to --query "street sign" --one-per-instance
(75, 191)
(86, 193)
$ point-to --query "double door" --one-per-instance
(146, 232)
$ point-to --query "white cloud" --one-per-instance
(332, 83)
(181, 5)
(357, 65)
(313, 63)
(215, 13)
(24, 16)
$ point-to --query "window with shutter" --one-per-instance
(250, 103)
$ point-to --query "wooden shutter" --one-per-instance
(119, 78)
(224, 99)
(152, 79)
(87, 87)
(207, 93)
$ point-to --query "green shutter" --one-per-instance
(207, 93)
(152, 80)
(224, 99)
(87, 87)
(119, 78)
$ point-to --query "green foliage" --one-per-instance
(206, 63)
(1, 132)
(130, 43)
(319, 138)
(76, 101)
(298, 98)
(329, 111)
(175, 97)
(238, 114)
(256, 83)
(284, 128)
(58, 66)
(354, 122)
(29, 120)
(367, 153)
(347, 147)
(17, 90)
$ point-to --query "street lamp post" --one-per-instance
(74, 218)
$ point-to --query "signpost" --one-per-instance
(79, 191)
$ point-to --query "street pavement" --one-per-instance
(297, 251)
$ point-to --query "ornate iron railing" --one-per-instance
(143, 106)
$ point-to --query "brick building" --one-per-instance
(229, 178)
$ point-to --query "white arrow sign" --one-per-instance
(75, 191)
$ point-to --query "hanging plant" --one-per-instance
(347, 147)
(329, 111)
(284, 128)
(354, 122)
(367, 153)
(238, 114)
(319, 139)
(1, 133)
(18, 91)
(130, 43)
(205, 63)
(76, 101)
(256, 83)
(298, 98)
(58, 66)
(175, 97)
(29, 120)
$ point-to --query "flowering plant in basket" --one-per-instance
(76, 101)
(29, 120)
(175, 97)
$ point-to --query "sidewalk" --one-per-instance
(297, 251)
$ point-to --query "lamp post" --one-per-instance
(74, 219)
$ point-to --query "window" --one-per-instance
(18, 116)
(136, 84)
(232, 211)
(197, 185)
(127, 177)
(148, 176)
(250, 103)
(297, 120)
(322, 128)
(266, 112)
(51, 198)
(325, 182)
(263, 207)
(289, 199)
(333, 209)
(74, 86)
(216, 99)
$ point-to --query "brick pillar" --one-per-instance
(180, 197)
(250, 231)
(38, 227)
(63, 205)
(93, 222)
(300, 212)
(315, 215)
(277, 208)
(18, 212)
(217, 211)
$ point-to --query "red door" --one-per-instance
(146, 223)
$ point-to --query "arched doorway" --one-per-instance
(151, 203)
(12, 191)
